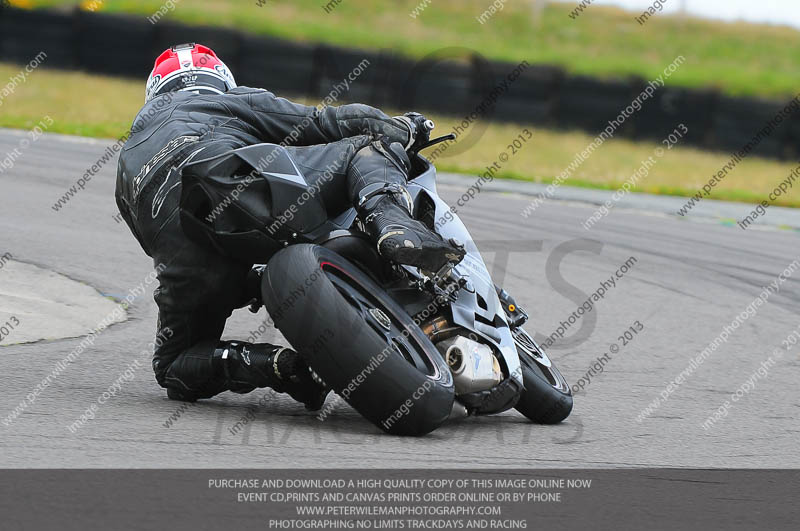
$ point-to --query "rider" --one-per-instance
(194, 112)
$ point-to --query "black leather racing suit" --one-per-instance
(198, 286)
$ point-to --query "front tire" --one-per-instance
(546, 398)
(358, 340)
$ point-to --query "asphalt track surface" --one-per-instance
(690, 279)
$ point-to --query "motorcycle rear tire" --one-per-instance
(350, 332)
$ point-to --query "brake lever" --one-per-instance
(433, 142)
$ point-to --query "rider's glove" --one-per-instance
(419, 129)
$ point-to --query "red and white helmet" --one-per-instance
(191, 68)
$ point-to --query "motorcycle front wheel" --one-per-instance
(546, 397)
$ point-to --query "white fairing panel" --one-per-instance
(478, 305)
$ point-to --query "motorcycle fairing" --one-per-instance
(477, 307)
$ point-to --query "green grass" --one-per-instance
(104, 107)
(738, 58)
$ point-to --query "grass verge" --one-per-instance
(98, 106)
(739, 58)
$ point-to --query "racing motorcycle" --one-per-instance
(406, 348)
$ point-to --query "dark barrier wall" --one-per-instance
(453, 81)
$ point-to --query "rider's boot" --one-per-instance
(386, 210)
(243, 367)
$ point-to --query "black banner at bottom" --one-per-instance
(399, 499)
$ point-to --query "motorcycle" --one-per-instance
(406, 348)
